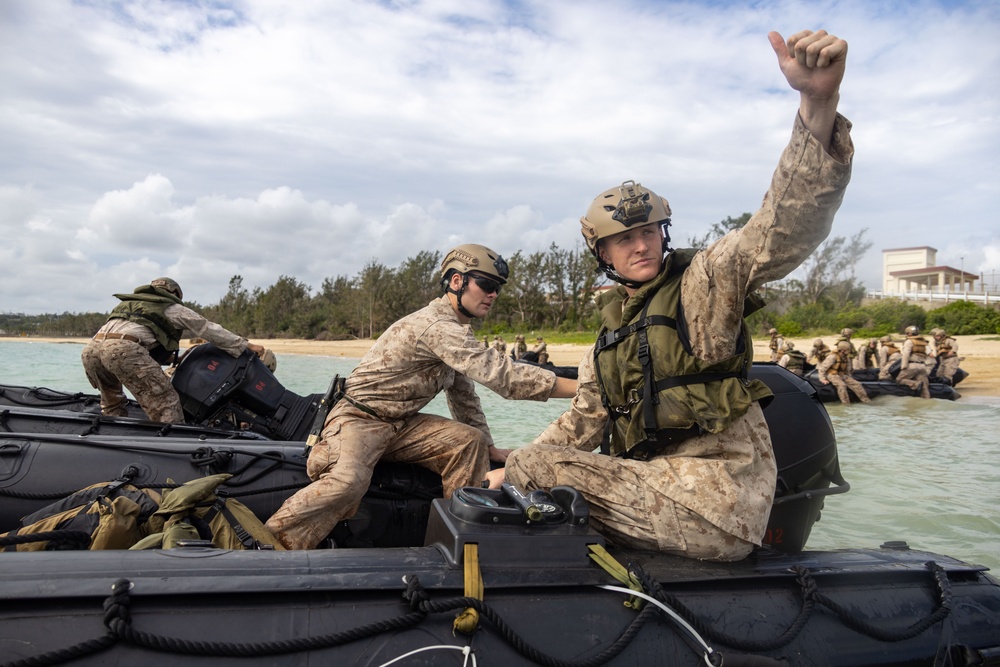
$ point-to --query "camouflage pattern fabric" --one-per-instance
(422, 354)
(913, 370)
(842, 381)
(887, 356)
(109, 364)
(949, 360)
(709, 496)
(776, 345)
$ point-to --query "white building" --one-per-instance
(915, 270)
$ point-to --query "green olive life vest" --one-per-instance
(656, 391)
(145, 306)
(796, 360)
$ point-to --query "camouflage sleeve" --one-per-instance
(825, 366)
(463, 402)
(456, 346)
(783, 362)
(904, 359)
(582, 426)
(796, 215)
(184, 317)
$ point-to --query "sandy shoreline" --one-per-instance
(982, 355)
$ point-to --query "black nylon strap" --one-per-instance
(611, 338)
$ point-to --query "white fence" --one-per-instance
(924, 295)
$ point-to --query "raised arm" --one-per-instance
(813, 64)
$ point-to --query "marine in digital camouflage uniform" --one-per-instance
(704, 485)
(913, 363)
(867, 356)
(792, 359)
(542, 350)
(776, 345)
(499, 344)
(380, 418)
(836, 370)
(149, 322)
(888, 353)
(946, 351)
(819, 352)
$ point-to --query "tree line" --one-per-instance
(549, 290)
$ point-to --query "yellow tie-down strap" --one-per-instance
(601, 556)
(468, 620)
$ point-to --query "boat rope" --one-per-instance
(810, 598)
(118, 621)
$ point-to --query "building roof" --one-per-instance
(928, 270)
(919, 247)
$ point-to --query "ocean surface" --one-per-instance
(926, 472)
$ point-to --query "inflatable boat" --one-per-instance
(869, 379)
(390, 582)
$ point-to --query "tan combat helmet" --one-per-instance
(478, 258)
(818, 342)
(885, 339)
(937, 333)
(843, 346)
(169, 285)
(772, 331)
(789, 346)
(473, 257)
(846, 333)
(619, 209)
(912, 330)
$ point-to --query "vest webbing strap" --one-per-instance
(611, 338)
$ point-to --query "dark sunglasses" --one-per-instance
(488, 285)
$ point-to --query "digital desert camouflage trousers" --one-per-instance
(915, 377)
(341, 467)
(109, 364)
(843, 382)
(623, 507)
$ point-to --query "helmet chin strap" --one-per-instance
(459, 293)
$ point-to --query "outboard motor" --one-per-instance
(805, 450)
(221, 391)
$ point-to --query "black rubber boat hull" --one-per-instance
(827, 393)
(224, 608)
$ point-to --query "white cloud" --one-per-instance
(204, 140)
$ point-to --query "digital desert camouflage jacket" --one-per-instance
(430, 351)
(728, 487)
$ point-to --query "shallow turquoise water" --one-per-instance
(926, 472)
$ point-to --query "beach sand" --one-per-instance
(981, 355)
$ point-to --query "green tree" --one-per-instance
(280, 308)
(965, 317)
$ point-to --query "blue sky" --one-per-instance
(206, 139)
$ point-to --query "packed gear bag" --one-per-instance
(111, 513)
(194, 511)
(117, 515)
